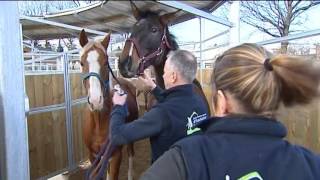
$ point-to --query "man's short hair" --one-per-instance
(185, 63)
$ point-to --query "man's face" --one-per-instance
(168, 75)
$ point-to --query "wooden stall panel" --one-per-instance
(44, 90)
(47, 143)
(80, 150)
(303, 125)
(77, 89)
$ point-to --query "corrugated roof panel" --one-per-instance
(111, 15)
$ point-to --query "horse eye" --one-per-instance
(154, 29)
(81, 63)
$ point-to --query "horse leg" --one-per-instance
(130, 150)
(114, 168)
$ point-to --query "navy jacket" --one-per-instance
(165, 123)
(244, 148)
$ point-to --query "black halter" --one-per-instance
(104, 83)
(147, 60)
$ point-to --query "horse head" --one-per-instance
(148, 40)
(93, 60)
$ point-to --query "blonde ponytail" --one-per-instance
(261, 82)
(299, 79)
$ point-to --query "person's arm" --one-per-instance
(151, 85)
(158, 93)
(170, 166)
(146, 126)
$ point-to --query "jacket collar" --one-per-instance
(257, 125)
(181, 90)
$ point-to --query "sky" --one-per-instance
(190, 30)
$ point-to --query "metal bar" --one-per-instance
(45, 109)
(217, 35)
(219, 46)
(79, 101)
(291, 37)
(67, 95)
(208, 39)
(200, 28)
(53, 174)
(40, 59)
(62, 25)
(195, 11)
(55, 107)
(14, 152)
(39, 54)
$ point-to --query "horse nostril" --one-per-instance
(100, 100)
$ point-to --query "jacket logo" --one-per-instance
(250, 176)
(193, 120)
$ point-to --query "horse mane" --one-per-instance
(172, 40)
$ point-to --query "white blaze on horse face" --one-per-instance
(131, 49)
(95, 93)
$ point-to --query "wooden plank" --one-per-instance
(48, 145)
(57, 88)
(80, 150)
(29, 83)
(38, 91)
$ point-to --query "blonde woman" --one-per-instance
(244, 140)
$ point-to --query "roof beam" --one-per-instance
(83, 21)
(63, 25)
(291, 37)
(195, 11)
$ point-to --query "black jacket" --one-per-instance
(237, 148)
(165, 123)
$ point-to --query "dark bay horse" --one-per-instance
(149, 44)
(94, 62)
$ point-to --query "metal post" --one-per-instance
(14, 153)
(234, 17)
(32, 57)
(201, 78)
(68, 100)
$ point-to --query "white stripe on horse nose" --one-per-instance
(131, 49)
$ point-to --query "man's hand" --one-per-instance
(118, 99)
(147, 81)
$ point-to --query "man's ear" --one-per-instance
(220, 108)
(174, 76)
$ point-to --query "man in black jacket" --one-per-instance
(173, 117)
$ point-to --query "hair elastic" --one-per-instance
(267, 64)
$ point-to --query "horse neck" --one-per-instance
(159, 70)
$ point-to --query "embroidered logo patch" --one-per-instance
(193, 120)
(250, 176)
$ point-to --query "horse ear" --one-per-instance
(166, 18)
(83, 39)
(106, 40)
(135, 11)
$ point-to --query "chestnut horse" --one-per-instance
(94, 62)
(149, 44)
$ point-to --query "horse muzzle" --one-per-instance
(95, 103)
